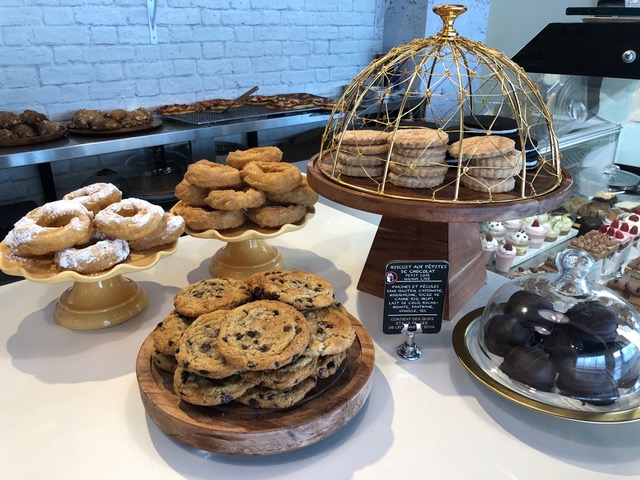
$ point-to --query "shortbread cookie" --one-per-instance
(211, 294)
(493, 185)
(348, 158)
(360, 170)
(164, 362)
(328, 365)
(364, 137)
(302, 290)
(208, 392)
(410, 181)
(438, 151)
(415, 170)
(197, 349)
(287, 376)
(262, 397)
(419, 138)
(482, 146)
(365, 150)
(167, 333)
(331, 330)
(263, 335)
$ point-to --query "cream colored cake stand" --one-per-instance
(93, 302)
(247, 250)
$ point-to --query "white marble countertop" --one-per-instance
(70, 406)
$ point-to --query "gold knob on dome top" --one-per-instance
(449, 14)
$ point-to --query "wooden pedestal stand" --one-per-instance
(418, 230)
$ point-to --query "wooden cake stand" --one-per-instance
(96, 301)
(247, 250)
(235, 429)
(411, 229)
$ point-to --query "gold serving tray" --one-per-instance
(465, 335)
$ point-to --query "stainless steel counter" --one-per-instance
(201, 137)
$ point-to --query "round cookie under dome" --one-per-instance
(445, 87)
(563, 340)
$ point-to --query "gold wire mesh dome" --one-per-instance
(443, 119)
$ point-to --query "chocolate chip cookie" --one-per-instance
(331, 330)
(328, 364)
(287, 376)
(302, 290)
(262, 397)
(208, 392)
(263, 335)
(167, 334)
(197, 350)
(211, 294)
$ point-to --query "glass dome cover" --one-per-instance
(562, 340)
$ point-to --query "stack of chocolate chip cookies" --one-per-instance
(418, 157)
(491, 162)
(263, 342)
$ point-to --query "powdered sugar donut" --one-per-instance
(169, 230)
(95, 258)
(95, 196)
(129, 219)
(51, 227)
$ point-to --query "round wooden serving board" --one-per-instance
(235, 429)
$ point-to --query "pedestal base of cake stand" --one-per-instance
(101, 304)
(244, 258)
(457, 243)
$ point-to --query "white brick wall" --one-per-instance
(97, 54)
(59, 56)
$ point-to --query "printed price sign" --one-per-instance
(414, 295)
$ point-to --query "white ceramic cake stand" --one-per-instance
(95, 301)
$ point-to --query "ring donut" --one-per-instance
(272, 177)
(191, 194)
(276, 215)
(302, 195)
(240, 158)
(211, 175)
(129, 219)
(201, 219)
(51, 227)
(168, 231)
(95, 258)
(236, 199)
(95, 196)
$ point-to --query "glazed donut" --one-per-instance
(276, 215)
(302, 195)
(240, 158)
(95, 196)
(211, 175)
(272, 177)
(129, 219)
(51, 227)
(236, 199)
(191, 194)
(201, 219)
(94, 258)
(168, 231)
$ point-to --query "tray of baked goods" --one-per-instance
(90, 234)
(28, 128)
(113, 122)
(254, 106)
(256, 366)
